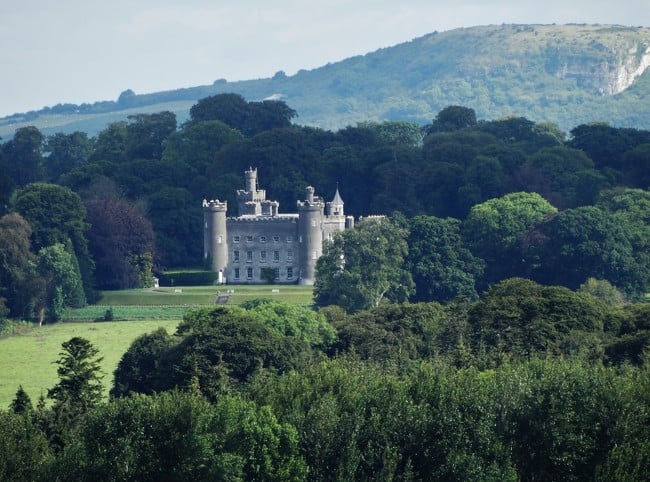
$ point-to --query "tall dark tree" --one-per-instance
(118, 237)
(441, 266)
(65, 152)
(111, 143)
(588, 242)
(146, 134)
(79, 369)
(20, 286)
(24, 156)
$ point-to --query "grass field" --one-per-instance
(27, 357)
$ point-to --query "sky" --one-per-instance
(76, 51)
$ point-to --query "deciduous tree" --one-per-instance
(364, 267)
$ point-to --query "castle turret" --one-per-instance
(215, 237)
(310, 231)
(335, 206)
(250, 200)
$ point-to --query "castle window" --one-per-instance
(235, 256)
(314, 255)
(206, 225)
(236, 273)
(289, 239)
(276, 256)
(276, 239)
(276, 272)
(249, 256)
(249, 239)
(219, 239)
(235, 239)
(290, 272)
(313, 223)
(262, 239)
(290, 255)
(262, 256)
(249, 273)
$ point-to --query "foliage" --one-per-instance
(214, 349)
(363, 267)
(63, 285)
(121, 241)
(519, 318)
(79, 388)
(589, 242)
(493, 229)
(442, 268)
(291, 320)
(57, 215)
(396, 334)
(176, 436)
(20, 287)
(25, 450)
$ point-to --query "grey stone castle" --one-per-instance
(245, 248)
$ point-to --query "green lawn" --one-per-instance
(28, 358)
(206, 295)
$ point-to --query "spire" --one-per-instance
(337, 201)
(335, 206)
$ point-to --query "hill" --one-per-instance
(568, 74)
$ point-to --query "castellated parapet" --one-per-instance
(262, 241)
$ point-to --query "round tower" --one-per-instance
(215, 237)
(310, 232)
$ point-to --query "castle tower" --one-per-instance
(310, 232)
(250, 200)
(335, 206)
(215, 236)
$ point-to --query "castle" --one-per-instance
(261, 242)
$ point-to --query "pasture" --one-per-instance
(28, 357)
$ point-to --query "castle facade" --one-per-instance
(261, 242)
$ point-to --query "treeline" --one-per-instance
(420, 391)
(128, 202)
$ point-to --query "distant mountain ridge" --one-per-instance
(566, 74)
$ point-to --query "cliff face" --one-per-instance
(608, 76)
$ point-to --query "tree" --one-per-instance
(21, 404)
(63, 287)
(65, 152)
(141, 368)
(25, 452)
(494, 228)
(20, 286)
(519, 318)
(196, 144)
(453, 117)
(24, 156)
(146, 134)
(232, 109)
(119, 238)
(111, 143)
(79, 369)
(57, 215)
(588, 242)
(363, 267)
(441, 266)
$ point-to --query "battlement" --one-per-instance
(252, 218)
(215, 204)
